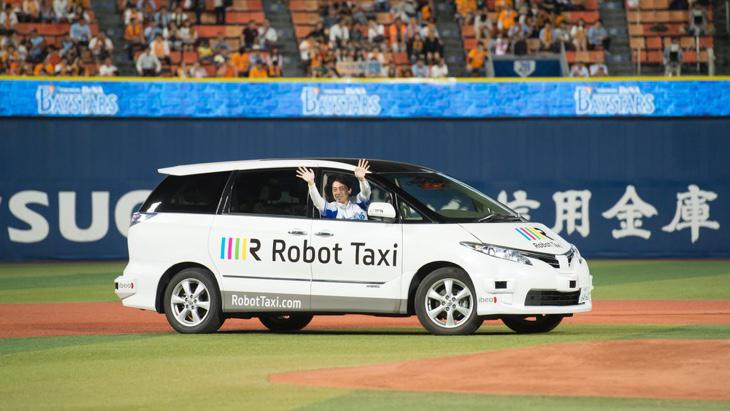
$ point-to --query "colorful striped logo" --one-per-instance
(532, 234)
(234, 248)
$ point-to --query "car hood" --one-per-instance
(527, 236)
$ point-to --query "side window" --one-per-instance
(408, 213)
(276, 192)
(197, 194)
(377, 193)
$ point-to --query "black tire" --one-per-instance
(285, 323)
(211, 319)
(527, 325)
(468, 324)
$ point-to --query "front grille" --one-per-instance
(551, 297)
(548, 258)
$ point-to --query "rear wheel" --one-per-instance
(532, 324)
(285, 322)
(192, 302)
(446, 304)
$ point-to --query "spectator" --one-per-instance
(562, 36)
(250, 35)
(147, 64)
(131, 13)
(374, 67)
(599, 70)
(30, 11)
(376, 32)
(220, 11)
(339, 34)
(221, 45)
(433, 48)
(188, 36)
(397, 36)
(501, 45)
(258, 71)
(305, 50)
(101, 46)
(60, 9)
(163, 17)
(179, 17)
(578, 70)
(78, 13)
(267, 36)
(483, 26)
(37, 47)
(506, 19)
(198, 71)
(440, 70)
(547, 38)
(673, 59)
(475, 60)
(580, 36)
(598, 37)
(152, 30)
(240, 59)
(152, 4)
(697, 20)
(80, 32)
(8, 20)
(226, 69)
(415, 48)
(420, 69)
(199, 8)
(161, 49)
(205, 53)
(46, 14)
(133, 35)
(107, 68)
(275, 62)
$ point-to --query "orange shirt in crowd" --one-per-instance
(257, 72)
(507, 18)
(228, 71)
(476, 58)
(132, 32)
(466, 6)
(240, 61)
(158, 48)
(275, 71)
(393, 33)
(501, 4)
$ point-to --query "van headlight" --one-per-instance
(499, 252)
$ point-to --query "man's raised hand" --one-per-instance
(306, 175)
(363, 167)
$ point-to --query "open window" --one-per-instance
(377, 192)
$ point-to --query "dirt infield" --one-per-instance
(31, 320)
(663, 369)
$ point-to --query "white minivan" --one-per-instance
(242, 239)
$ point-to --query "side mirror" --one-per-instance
(381, 211)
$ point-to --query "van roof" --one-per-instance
(376, 166)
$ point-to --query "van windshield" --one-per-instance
(451, 198)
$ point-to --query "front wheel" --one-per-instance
(446, 304)
(285, 322)
(192, 302)
(532, 324)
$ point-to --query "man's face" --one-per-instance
(341, 192)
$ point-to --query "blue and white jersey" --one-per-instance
(355, 209)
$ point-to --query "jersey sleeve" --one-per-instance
(363, 197)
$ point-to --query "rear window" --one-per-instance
(198, 194)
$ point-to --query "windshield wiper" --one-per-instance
(498, 217)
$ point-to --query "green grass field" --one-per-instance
(230, 370)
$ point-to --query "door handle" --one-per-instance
(297, 232)
(324, 234)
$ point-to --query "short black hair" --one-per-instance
(342, 180)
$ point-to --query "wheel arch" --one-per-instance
(167, 276)
(420, 275)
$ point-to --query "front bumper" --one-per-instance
(514, 288)
(124, 287)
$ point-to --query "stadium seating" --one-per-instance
(652, 26)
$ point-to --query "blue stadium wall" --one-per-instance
(47, 161)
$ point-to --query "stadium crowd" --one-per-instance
(166, 41)
(384, 39)
(73, 47)
(523, 27)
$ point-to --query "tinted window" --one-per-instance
(270, 192)
(199, 193)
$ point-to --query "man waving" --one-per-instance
(343, 207)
